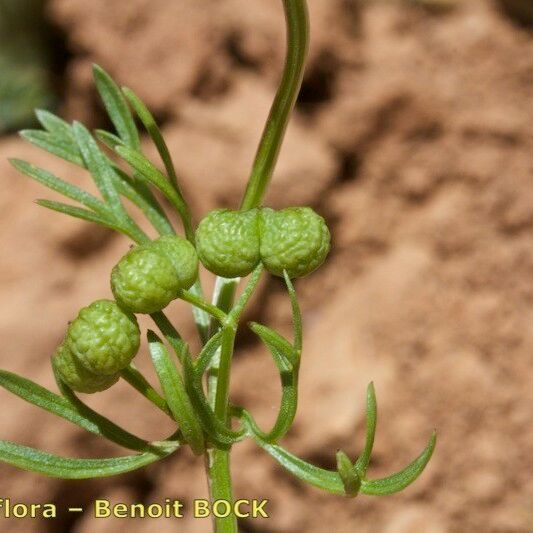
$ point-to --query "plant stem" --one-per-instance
(218, 460)
(219, 476)
(267, 154)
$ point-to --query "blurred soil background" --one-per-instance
(413, 135)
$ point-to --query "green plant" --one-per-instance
(195, 390)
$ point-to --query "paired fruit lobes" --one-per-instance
(295, 239)
(232, 243)
(76, 376)
(150, 276)
(228, 242)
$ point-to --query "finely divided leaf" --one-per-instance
(153, 130)
(61, 186)
(117, 107)
(55, 125)
(64, 148)
(99, 166)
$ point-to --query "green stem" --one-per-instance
(218, 460)
(219, 478)
(291, 82)
(200, 303)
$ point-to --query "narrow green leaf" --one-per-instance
(399, 481)
(78, 212)
(117, 107)
(282, 350)
(64, 148)
(57, 184)
(147, 170)
(175, 394)
(55, 125)
(99, 167)
(139, 383)
(51, 465)
(201, 318)
(284, 354)
(144, 201)
(218, 432)
(363, 460)
(171, 334)
(348, 474)
(155, 133)
(296, 314)
(208, 352)
(74, 412)
(109, 139)
(306, 472)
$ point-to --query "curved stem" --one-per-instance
(267, 155)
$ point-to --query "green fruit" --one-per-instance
(144, 280)
(76, 376)
(104, 338)
(295, 239)
(182, 255)
(228, 242)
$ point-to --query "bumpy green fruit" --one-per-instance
(149, 277)
(76, 376)
(228, 242)
(182, 255)
(144, 280)
(295, 239)
(104, 338)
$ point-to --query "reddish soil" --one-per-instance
(414, 137)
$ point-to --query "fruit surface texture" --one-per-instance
(104, 338)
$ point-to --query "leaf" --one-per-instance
(284, 354)
(143, 199)
(148, 171)
(399, 481)
(219, 433)
(282, 350)
(57, 184)
(332, 481)
(78, 212)
(175, 394)
(55, 125)
(139, 383)
(201, 318)
(153, 130)
(363, 460)
(64, 148)
(348, 474)
(116, 107)
(296, 315)
(208, 352)
(51, 465)
(99, 167)
(109, 139)
(313, 475)
(83, 417)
